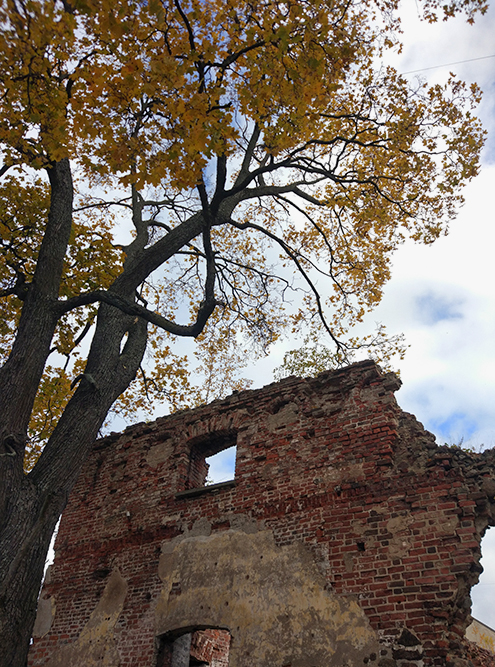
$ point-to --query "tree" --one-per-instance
(255, 152)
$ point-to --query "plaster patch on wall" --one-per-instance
(288, 414)
(342, 473)
(44, 616)
(365, 509)
(271, 598)
(400, 543)
(96, 645)
(244, 523)
(159, 454)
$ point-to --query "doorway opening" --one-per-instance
(193, 647)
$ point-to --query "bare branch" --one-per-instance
(205, 309)
(293, 256)
(104, 204)
(273, 190)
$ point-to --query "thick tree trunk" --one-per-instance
(21, 373)
(27, 517)
(30, 505)
(24, 545)
(40, 497)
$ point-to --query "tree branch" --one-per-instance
(149, 259)
(292, 255)
(20, 289)
(273, 190)
(248, 155)
(205, 309)
(221, 180)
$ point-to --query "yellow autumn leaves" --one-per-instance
(269, 119)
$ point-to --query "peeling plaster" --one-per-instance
(44, 616)
(96, 645)
(271, 598)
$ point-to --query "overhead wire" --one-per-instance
(459, 62)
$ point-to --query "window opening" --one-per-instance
(212, 460)
(206, 646)
(221, 466)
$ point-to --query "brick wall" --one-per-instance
(330, 473)
(211, 646)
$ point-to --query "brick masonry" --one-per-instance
(348, 537)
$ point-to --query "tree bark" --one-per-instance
(30, 505)
(20, 375)
(27, 516)
(41, 496)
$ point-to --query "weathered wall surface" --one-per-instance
(482, 635)
(272, 598)
(347, 538)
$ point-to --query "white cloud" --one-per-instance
(442, 297)
(222, 466)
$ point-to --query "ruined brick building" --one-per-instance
(347, 538)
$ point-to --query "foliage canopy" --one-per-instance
(274, 111)
(266, 123)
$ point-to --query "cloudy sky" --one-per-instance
(442, 297)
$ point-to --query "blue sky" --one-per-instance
(443, 297)
(432, 308)
(222, 465)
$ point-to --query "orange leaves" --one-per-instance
(35, 45)
(147, 91)
(92, 262)
(168, 73)
(23, 207)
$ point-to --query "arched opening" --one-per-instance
(193, 647)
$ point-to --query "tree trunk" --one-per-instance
(24, 545)
(27, 516)
(37, 499)
(30, 505)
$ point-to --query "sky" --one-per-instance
(442, 297)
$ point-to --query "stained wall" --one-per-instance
(348, 537)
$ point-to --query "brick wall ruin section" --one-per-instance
(348, 537)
